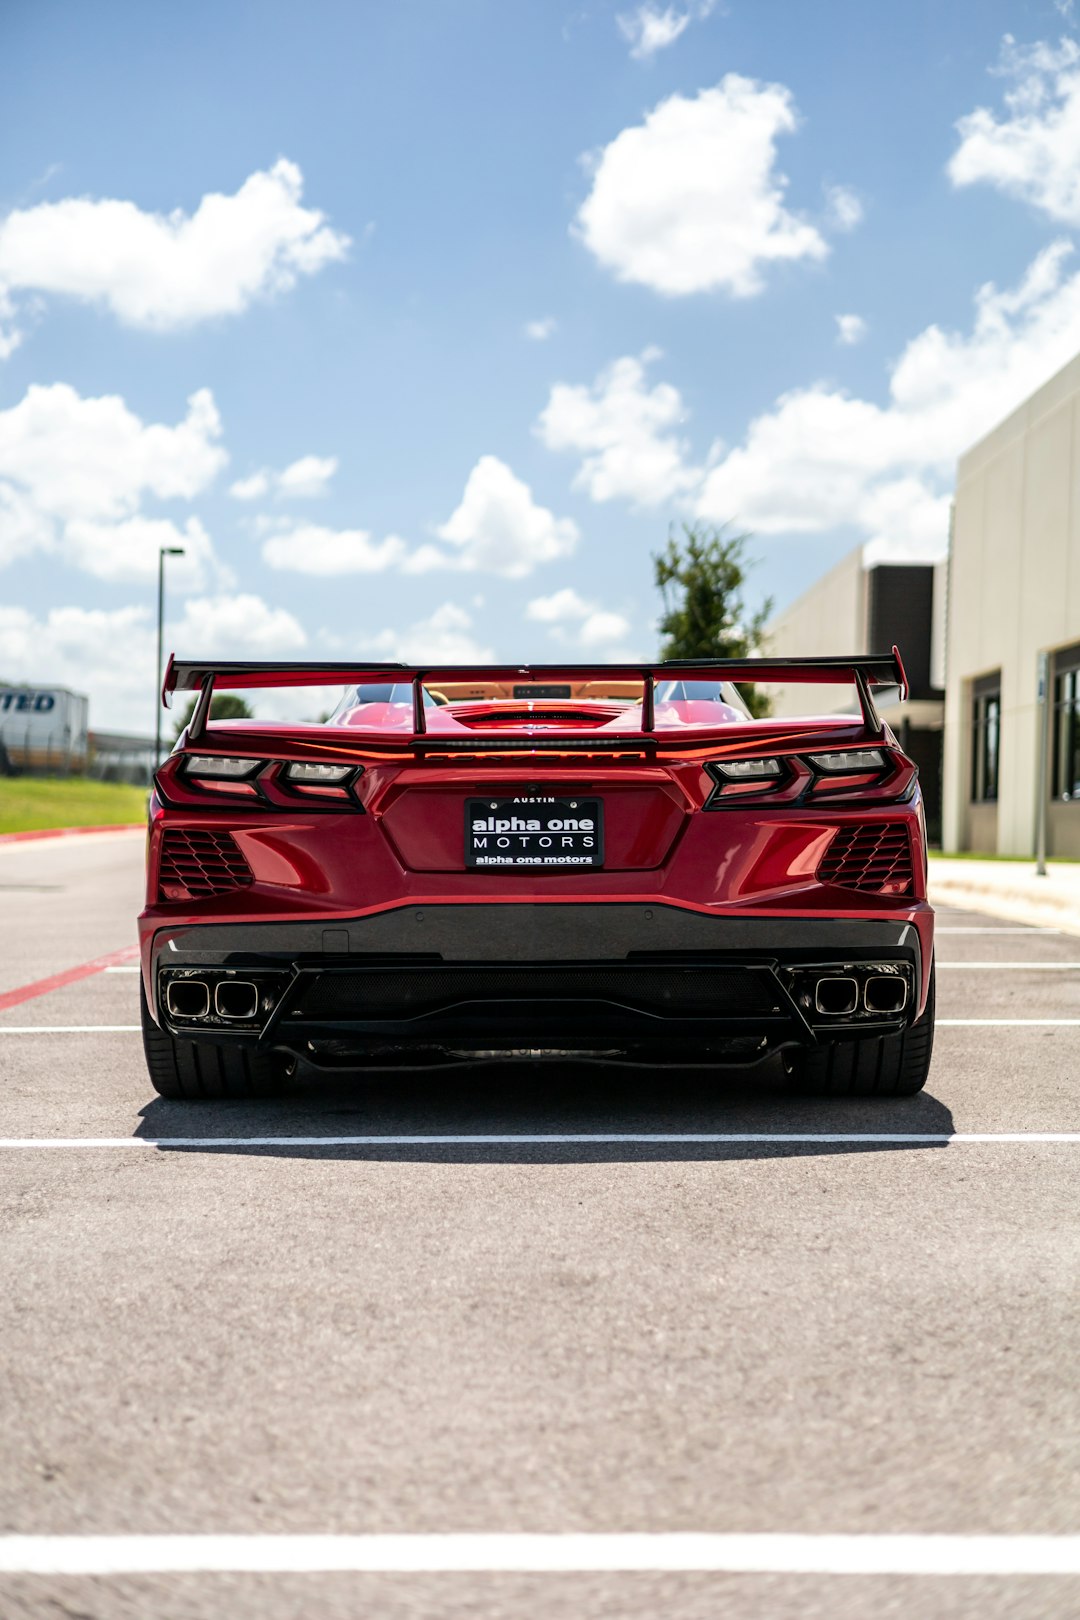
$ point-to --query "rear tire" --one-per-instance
(203, 1071)
(880, 1066)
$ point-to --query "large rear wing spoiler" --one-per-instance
(875, 669)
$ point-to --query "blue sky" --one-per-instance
(332, 227)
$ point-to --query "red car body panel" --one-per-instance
(677, 834)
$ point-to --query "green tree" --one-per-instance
(223, 706)
(701, 576)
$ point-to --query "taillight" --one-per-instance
(258, 784)
(827, 776)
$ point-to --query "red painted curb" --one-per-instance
(67, 832)
(57, 981)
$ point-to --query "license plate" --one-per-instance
(534, 833)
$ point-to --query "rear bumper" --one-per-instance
(606, 979)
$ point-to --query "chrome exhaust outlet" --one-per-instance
(236, 998)
(187, 998)
(885, 993)
(837, 996)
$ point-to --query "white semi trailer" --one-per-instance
(43, 728)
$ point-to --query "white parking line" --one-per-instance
(481, 1553)
(1006, 1023)
(125, 968)
(941, 1023)
(69, 1029)
(1000, 967)
(1024, 929)
(548, 1139)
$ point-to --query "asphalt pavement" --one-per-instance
(779, 1338)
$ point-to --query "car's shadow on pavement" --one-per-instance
(532, 1112)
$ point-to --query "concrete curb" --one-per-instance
(68, 832)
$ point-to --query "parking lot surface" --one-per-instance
(740, 1328)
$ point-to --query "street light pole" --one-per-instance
(163, 552)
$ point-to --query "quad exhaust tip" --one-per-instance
(236, 998)
(885, 993)
(188, 998)
(837, 995)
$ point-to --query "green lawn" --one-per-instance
(27, 802)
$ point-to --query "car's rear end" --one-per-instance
(609, 862)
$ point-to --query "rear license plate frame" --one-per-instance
(535, 837)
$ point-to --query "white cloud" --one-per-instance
(223, 625)
(844, 207)
(691, 199)
(307, 478)
(446, 637)
(164, 272)
(252, 488)
(110, 652)
(850, 329)
(539, 331)
(129, 551)
(75, 472)
(625, 433)
(648, 29)
(1033, 152)
(575, 621)
(310, 549)
(559, 606)
(301, 480)
(821, 459)
(498, 527)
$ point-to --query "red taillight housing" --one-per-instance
(878, 774)
(194, 781)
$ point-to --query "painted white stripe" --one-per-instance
(574, 1552)
(1024, 929)
(1001, 967)
(68, 1029)
(546, 1139)
(125, 968)
(1006, 1023)
(940, 1023)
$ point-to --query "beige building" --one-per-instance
(1013, 610)
(856, 608)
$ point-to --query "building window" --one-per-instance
(1067, 724)
(986, 739)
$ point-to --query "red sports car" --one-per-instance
(601, 862)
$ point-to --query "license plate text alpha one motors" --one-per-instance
(536, 833)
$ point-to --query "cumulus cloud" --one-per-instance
(168, 271)
(110, 652)
(310, 549)
(304, 479)
(691, 200)
(446, 637)
(625, 431)
(75, 472)
(221, 624)
(844, 207)
(498, 527)
(650, 28)
(850, 329)
(539, 331)
(1032, 152)
(821, 459)
(573, 620)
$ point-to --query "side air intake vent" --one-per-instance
(197, 863)
(874, 857)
